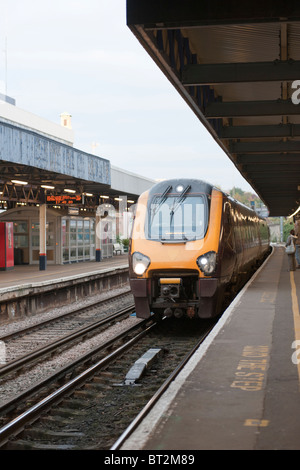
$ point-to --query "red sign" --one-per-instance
(64, 199)
(6, 245)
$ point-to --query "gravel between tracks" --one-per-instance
(10, 326)
(11, 388)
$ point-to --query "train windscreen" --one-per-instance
(177, 218)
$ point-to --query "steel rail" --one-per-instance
(18, 424)
(61, 317)
(68, 368)
(24, 360)
(147, 408)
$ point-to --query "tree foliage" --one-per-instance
(245, 197)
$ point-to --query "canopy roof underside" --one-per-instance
(236, 64)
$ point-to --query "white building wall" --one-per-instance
(16, 116)
(122, 180)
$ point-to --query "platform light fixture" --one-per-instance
(89, 194)
(105, 197)
(296, 212)
(70, 191)
(19, 182)
(46, 186)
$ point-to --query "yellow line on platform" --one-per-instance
(295, 306)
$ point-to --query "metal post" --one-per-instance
(122, 210)
(281, 229)
(43, 248)
(97, 234)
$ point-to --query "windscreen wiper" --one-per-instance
(161, 200)
(178, 202)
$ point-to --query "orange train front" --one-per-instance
(190, 244)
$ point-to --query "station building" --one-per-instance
(65, 205)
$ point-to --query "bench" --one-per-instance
(118, 248)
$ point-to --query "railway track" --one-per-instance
(96, 404)
(27, 345)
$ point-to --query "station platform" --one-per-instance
(240, 391)
(26, 291)
(30, 274)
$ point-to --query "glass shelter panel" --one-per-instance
(21, 242)
(35, 241)
(78, 239)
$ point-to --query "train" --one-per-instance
(191, 244)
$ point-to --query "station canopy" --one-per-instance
(35, 169)
(237, 65)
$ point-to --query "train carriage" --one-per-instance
(190, 244)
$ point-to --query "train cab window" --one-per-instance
(177, 219)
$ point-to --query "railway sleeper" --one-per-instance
(67, 412)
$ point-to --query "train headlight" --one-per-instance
(207, 262)
(140, 263)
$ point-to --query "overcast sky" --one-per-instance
(79, 56)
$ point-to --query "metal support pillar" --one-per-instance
(43, 248)
(122, 220)
(98, 243)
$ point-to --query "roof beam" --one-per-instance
(278, 200)
(274, 179)
(227, 109)
(273, 169)
(269, 147)
(178, 13)
(278, 186)
(208, 74)
(276, 191)
(279, 182)
(247, 132)
(258, 158)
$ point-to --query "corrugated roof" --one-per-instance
(235, 43)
